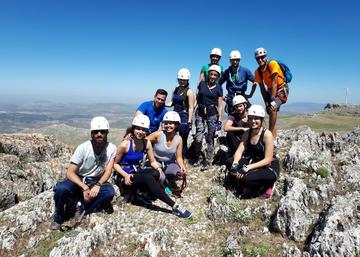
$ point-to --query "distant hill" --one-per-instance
(301, 108)
(336, 117)
(15, 118)
(74, 136)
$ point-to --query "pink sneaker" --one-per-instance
(267, 194)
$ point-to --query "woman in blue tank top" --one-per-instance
(129, 155)
(183, 101)
(254, 166)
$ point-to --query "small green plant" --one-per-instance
(357, 254)
(192, 220)
(323, 172)
(254, 251)
(44, 248)
(72, 233)
(143, 253)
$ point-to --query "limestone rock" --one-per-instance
(338, 230)
(293, 217)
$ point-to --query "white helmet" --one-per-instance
(256, 110)
(142, 121)
(172, 116)
(260, 52)
(215, 68)
(216, 51)
(235, 55)
(99, 123)
(183, 73)
(239, 99)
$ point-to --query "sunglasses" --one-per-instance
(102, 131)
(261, 57)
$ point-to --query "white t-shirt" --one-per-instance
(89, 164)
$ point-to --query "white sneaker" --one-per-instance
(179, 211)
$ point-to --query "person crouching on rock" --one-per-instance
(87, 175)
(236, 124)
(254, 167)
(167, 145)
(129, 155)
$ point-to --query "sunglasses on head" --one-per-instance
(102, 131)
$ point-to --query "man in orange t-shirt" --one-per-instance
(277, 90)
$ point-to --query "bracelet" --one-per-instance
(98, 184)
(84, 190)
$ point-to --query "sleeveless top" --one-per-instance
(130, 161)
(256, 152)
(162, 152)
(180, 99)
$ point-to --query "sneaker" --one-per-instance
(197, 163)
(267, 194)
(181, 212)
(204, 167)
(79, 213)
(55, 226)
(168, 191)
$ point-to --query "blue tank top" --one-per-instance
(131, 160)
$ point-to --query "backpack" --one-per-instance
(284, 68)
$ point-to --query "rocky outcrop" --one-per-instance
(29, 165)
(293, 217)
(32, 147)
(315, 206)
(338, 230)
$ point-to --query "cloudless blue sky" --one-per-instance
(122, 51)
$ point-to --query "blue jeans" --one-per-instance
(67, 190)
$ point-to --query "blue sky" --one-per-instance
(114, 51)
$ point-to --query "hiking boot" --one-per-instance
(79, 213)
(267, 194)
(108, 208)
(181, 212)
(55, 226)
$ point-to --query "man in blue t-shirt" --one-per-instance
(155, 109)
(236, 78)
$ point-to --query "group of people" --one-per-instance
(151, 155)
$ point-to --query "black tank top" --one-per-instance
(256, 152)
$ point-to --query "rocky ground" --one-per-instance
(315, 209)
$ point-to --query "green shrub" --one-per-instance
(254, 251)
(323, 172)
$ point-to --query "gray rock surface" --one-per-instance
(29, 165)
(338, 230)
(293, 217)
